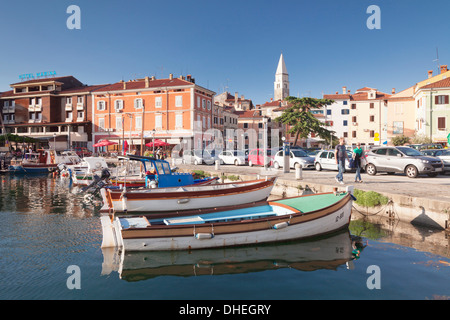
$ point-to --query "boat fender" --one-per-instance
(280, 225)
(353, 197)
(201, 236)
(181, 201)
(124, 203)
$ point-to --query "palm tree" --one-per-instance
(300, 119)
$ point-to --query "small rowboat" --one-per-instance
(286, 219)
(186, 197)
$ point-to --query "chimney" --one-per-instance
(242, 97)
(344, 90)
(124, 85)
(153, 78)
(147, 82)
(236, 97)
(171, 76)
(393, 90)
(430, 74)
(444, 69)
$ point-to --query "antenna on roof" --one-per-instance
(437, 59)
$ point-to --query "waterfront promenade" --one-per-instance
(424, 200)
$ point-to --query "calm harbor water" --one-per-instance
(46, 228)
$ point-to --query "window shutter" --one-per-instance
(446, 99)
(436, 100)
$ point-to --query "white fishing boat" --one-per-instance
(43, 161)
(286, 219)
(186, 197)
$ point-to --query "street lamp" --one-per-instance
(54, 141)
(153, 134)
(265, 119)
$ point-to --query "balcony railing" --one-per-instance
(79, 106)
(10, 109)
(69, 119)
(68, 107)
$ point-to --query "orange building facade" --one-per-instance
(139, 111)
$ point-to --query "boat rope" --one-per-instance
(389, 203)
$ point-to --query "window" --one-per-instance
(80, 99)
(354, 119)
(382, 151)
(118, 104)
(158, 121)
(138, 120)
(324, 155)
(101, 105)
(372, 118)
(39, 101)
(198, 102)
(158, 102)
(441, 123)
(345, 123)
(69, 100)
(118, 123)
(138, 103)
(441, 100)
(80, 115)
(353, 134)
(353, 106)
(101, 124)
(345, 111)
(372, 105)
(345, 134)
(179, 121)
(209, 104)
(329, 112)
(178, 101)
(344, 103)
(203, 103)
(372, 133)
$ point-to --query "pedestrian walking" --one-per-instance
(357, 155)
(341, 156)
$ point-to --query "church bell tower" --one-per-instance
(281, 84)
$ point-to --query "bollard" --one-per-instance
(217, 164)
(298, 173)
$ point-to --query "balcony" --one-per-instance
(69, 119)
(80, 119)
(68, 107)
(80, 106)
(34, 107)
(9, 121)
(31, 107)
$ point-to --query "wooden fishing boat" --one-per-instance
(42, 161)
(136, 172)
(286, 219)
(186, 197)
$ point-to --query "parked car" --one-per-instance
(256, 157)
(236, 157)
(297, 157)
(424, 146)
(197, 157)
(445, 157)
(326, 160)
(402, 159)
(432, 152)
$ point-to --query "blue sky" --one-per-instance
(228, 44)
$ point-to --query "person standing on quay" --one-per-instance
(341, 156)
(357, 155)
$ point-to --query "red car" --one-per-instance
(256, 157)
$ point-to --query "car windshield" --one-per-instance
(299, 153)
(410, 151)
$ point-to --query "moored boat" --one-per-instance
(285, 219)
(187, 197)
(42, 161)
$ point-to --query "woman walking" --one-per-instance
(357, 154)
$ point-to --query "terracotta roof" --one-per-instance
(83, 89)
(275, 103)
(337, 96)
(140, 84)
(249, 113)
(364, 96)
(445, 83)
(42, 80)
(365, 89)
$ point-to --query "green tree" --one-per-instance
(400, 140)
(302, 122)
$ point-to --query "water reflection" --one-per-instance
(324, 253)
(41, 194)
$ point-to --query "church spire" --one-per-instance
(281, 84)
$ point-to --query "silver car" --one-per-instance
(445, 157)
(297, 158)
(402, 159)
(325, 159)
